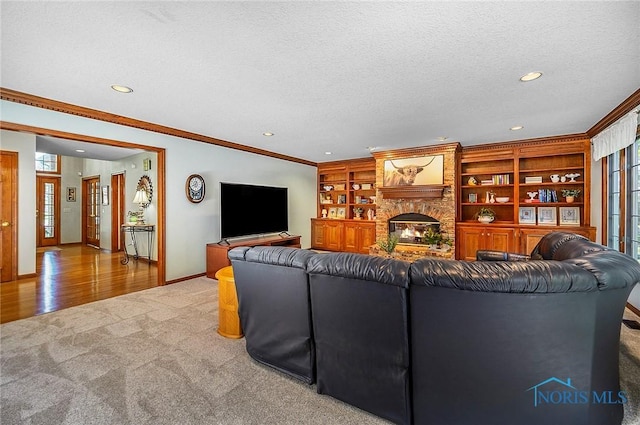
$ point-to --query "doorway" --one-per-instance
(48, 211)
(91, 211)
(9, 217)
(118, 209)
(159, 189)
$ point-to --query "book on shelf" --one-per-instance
(547, 195)
(500, 179)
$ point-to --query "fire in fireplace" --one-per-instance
(412, 228)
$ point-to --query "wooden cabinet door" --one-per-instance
(500, 239)
(358, 237)
(351, 237)
(333, 235)
(367, 237)
(470, 240)
(318, 236)
(529, 238)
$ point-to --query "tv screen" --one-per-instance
(251, 210)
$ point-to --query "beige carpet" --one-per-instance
(154, 357)
(150, 357)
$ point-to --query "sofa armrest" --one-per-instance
(491, 255)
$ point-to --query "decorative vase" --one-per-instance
(570, 199)
(485, 219)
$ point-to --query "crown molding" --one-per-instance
(68, 108)
(527, 142)
(621, 110)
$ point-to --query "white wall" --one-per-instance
(71, 212)
(189, 226)
(25, 145)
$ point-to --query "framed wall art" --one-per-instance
(105, 195)
(547, 215)
(569, 216)
(527, 215)
(417, 171)
(71, 194)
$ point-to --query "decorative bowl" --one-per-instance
(485, 219)
(502, 199)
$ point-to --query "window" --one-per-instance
(623, 199)
(47, 163)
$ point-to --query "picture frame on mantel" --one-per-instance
(415, 171)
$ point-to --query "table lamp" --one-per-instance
(141, 199)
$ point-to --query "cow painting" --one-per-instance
(407, 171)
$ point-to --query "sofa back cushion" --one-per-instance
(360, 323)
(551, 242)
(273, 305)
(502, 276)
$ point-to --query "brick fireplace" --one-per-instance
(438, 202)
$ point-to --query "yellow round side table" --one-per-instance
(229, 321)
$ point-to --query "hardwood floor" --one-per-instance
(70, 276)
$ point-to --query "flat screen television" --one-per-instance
(251, 210)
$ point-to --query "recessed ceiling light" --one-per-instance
(371, 148)
(516, 128)
(267, 133)
(327, 153)
(122, 89)
(531, 76)
(80, 150)
(442, 138)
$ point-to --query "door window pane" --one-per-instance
(49, 210)
(46, 162)
(629, 172)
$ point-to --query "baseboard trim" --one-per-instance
(182, 279)
(27, 276)
(634, 309)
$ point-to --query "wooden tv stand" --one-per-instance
(217, 253)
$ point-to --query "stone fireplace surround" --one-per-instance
(441, 208)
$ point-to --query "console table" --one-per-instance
(217, 253)
(132, 229)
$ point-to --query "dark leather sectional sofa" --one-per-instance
(505, 340)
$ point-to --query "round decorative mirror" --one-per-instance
(145, 184)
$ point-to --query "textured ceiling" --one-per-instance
(331, 76)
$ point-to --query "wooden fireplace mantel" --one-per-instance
(413, 192)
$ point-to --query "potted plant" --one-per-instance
(570, 194)
(388, 245)
(358, 211)
(132, 217)
(485, 215)
(432, 238)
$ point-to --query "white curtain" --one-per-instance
(615, 137)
